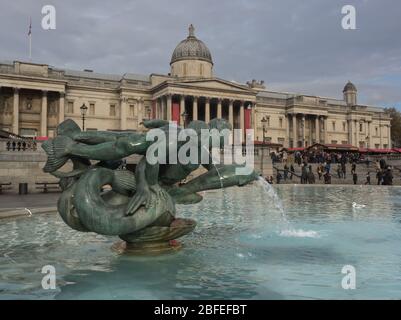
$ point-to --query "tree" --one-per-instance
(395, 125)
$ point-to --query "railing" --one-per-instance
(19, 145)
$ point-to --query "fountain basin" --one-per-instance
(240, 249)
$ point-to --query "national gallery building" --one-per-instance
(35, 98)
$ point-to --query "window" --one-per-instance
(281, 122)
(333, 141)
(344, 126)
(28, 132)
(91, 109)
(132, 110)
(377, 131)
(185, 69)
(360, 127)
(344, 142)
(334, 126)
(385, 146)
(70, 107)
(112, 110)
(281, 140)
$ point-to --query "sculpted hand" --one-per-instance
(141, 197)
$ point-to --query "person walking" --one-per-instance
(292, 170)
(368, 178)
(319, 171)
(379, 177)
(339, 171)
(304, 174)
(285, 172)
(311, 176)
(355, 177)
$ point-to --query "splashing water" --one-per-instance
(299, 233)
(214, 165)
(288, 230)
(271, 192)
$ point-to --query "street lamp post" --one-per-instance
(264, 121)
(83, 109)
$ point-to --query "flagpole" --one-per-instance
(30, 39)
(30, 47)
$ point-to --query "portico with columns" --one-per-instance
(184, 102)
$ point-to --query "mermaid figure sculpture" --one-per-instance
(140, 206)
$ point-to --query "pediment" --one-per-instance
(217, 84)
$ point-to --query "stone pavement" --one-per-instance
(13, 205)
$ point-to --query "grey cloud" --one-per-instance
(296, 46)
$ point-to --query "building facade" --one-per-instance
(35, 98)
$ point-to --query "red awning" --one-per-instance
(41, 138)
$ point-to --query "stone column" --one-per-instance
(43, 115)
(219, 112)
(182, 109)
(369, 142)
(61, 107)
(16, 111)
(123, 113)
(158, 110)
(389, 136)
(317, 132)
(350, 140)
(294, 130)
(140, 112)
(287, 125)
(169, 103)
(163, 103)
(242, 119)
(231, 113)
(325, 130)
(356, 134)
(195, 108)
(207, 110)
(303, 131)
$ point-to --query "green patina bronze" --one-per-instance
(139, 207)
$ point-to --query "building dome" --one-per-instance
(191, 49)
(349, 87)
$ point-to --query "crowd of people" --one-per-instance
(327, 162)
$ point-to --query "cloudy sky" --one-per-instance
(295, 46)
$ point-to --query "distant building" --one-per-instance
(35, 98)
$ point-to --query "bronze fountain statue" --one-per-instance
(140, 206)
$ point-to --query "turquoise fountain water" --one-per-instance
(240, 249)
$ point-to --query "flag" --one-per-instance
(30, 27)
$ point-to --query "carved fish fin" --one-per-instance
(54, 161)
(124, 181)
(68, 128)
